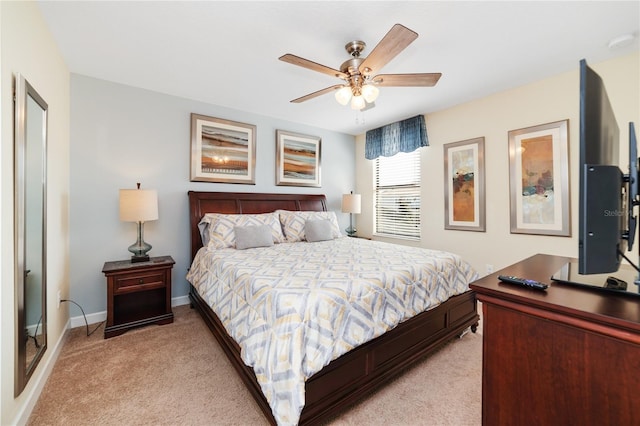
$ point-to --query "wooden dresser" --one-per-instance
(565, 356)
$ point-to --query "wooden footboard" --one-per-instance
(358, 372)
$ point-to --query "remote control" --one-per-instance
(524, 282)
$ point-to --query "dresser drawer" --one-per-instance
(139, 282)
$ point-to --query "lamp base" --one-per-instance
(140, 247)
(136, 259)
(351, 231)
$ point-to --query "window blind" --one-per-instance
(397, 195)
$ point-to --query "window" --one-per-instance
(397, 195)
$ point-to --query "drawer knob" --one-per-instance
(141, 281)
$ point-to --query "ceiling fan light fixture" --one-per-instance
(359, 83)
(370, 92)
(357, 102)
(343, 95)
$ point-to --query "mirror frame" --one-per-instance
(23, 93)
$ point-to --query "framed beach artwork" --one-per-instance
(464, 189)
(297, 159)
(222, 150)
(539, 179)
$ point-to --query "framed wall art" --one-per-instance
(297, 159)
(464, 189)
(222, 150)
(539, 179)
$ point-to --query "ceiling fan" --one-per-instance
(360, 74)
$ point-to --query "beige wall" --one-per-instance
(548, 100)
(29, 49)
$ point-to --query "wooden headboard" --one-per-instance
(245, 203)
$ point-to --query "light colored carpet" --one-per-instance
(176, 374)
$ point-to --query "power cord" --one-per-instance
(85, 317)
(621, 253)
(35, 334)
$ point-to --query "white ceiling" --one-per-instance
(226, 53)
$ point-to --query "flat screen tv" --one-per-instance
(602, 201)
(607, 198)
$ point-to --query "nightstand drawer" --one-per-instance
(139, 282)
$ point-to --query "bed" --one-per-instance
(352, 374)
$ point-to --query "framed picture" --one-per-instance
(222, 150)
(464, 194)
(297, 159)
(539, 179)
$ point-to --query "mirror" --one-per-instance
(30, 217)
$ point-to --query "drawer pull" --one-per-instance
(141, 281)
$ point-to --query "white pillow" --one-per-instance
(293, 223)
(221, 227)
(203, 227)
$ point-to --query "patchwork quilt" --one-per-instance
(295, 307)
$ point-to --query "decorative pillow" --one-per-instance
(293, 223)
(253, 236)
(318, 230)
(203, 227)
(221, 227)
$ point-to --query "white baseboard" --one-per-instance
(91, 319)
(96, 317)
(33, 329)
(179, 301)
(40, 379)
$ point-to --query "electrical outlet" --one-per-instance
(59, 299)
(489, 268)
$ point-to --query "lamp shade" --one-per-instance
(138, 205)
(370, 92)
(351, 203)
(357, 102)
(343, 95)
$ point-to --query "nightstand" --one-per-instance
(358, 236)
(138, 294)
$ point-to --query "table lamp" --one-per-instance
(139, 206)
(351, 205)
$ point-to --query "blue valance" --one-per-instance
(402, 136)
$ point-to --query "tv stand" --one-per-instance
(566, 355)
(623, 282)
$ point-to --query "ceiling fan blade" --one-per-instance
(394, 42)
(407, 80)
(316, 94)
(305, 63)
